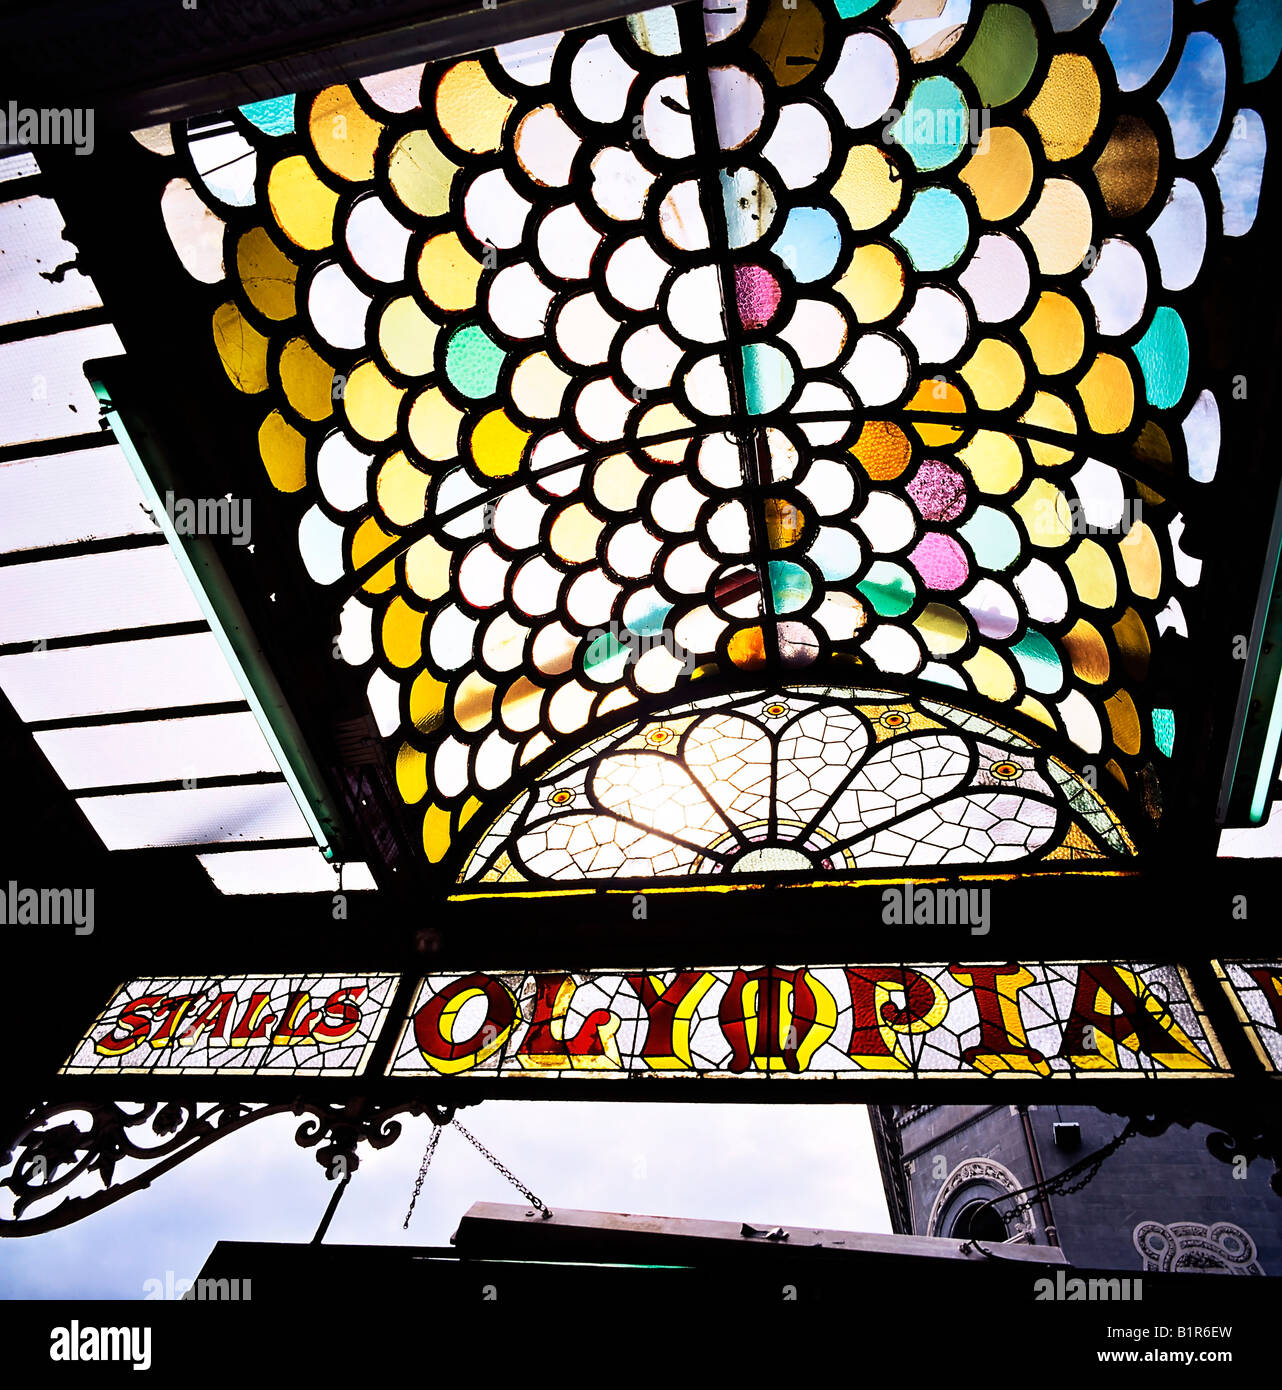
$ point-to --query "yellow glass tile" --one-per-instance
(937, 397)
(538, 386)
(1127, 168)
(1113, 770)
(882, 449)
(521, 703)
(427, 568)
(791, 30)
(1087, 652)
(873, 284)
(663, 419)
(999, 173)
(1034, 709)
(411, 774)
(307, 380)
(574, 534)
(617, 483)
(471, 109)
(434, 425)
(1066, 109)
(994, 373)
(436, 833)
(402, 633)
(372, 403)
(990, 674)
(785, 523)
(1093, 574)
(469, 808)
(407, 337)
(267, 274)
(1152, 446)
(943, 629)
(498, 445)
(1059, 227)
(401, 491)
(473, 702)
(1046, 515)
(1143, 561)
(1049, 412)
(869, 188)
(1108, 395)
(343, 136)
(1133, 646)
(1125, 722)
(242, 349)
(427, 702)
(994, 461)
(420, 174)
(301, 204)
(747, 648)
(1054, 333)
(284, 453)
(369, 542)
(448, 272)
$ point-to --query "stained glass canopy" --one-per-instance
(674, 404)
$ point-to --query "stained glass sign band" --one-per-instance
(314, 1024)
(1043, 1019)
(1255, 989)
(1031, 1019)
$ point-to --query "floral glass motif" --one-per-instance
(801, 781)
(741, 341)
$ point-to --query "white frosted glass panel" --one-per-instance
(204, 815)
(114, 677)
(1256, 841)
(93, 593)
(83, 496)
(43, 391)
(18, 166)
(298, 870)
(166, 750)
(31, 234)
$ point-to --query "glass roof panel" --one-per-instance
(80, 594)
(169, 750)
(36, 275)
(298, 869)
(63, 498)
(201, 815)
(117, 677)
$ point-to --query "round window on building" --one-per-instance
(978, 1221)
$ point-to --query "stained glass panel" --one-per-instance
(738, 343)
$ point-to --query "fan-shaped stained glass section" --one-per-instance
(798, 780)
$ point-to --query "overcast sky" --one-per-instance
(809, 1165)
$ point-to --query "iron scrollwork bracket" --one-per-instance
(52, 1152)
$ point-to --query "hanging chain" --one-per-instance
(430, 1152)
(543, 1210)
(1063, 1184)
(433, 1140)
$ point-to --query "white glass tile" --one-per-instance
(80, 594)
(87, 495)
(1255, 841)
(116, 677)
(18, 166)
(164, 750)
(295, 870)
(203, 815)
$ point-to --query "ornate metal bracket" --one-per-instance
(53, 1151)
